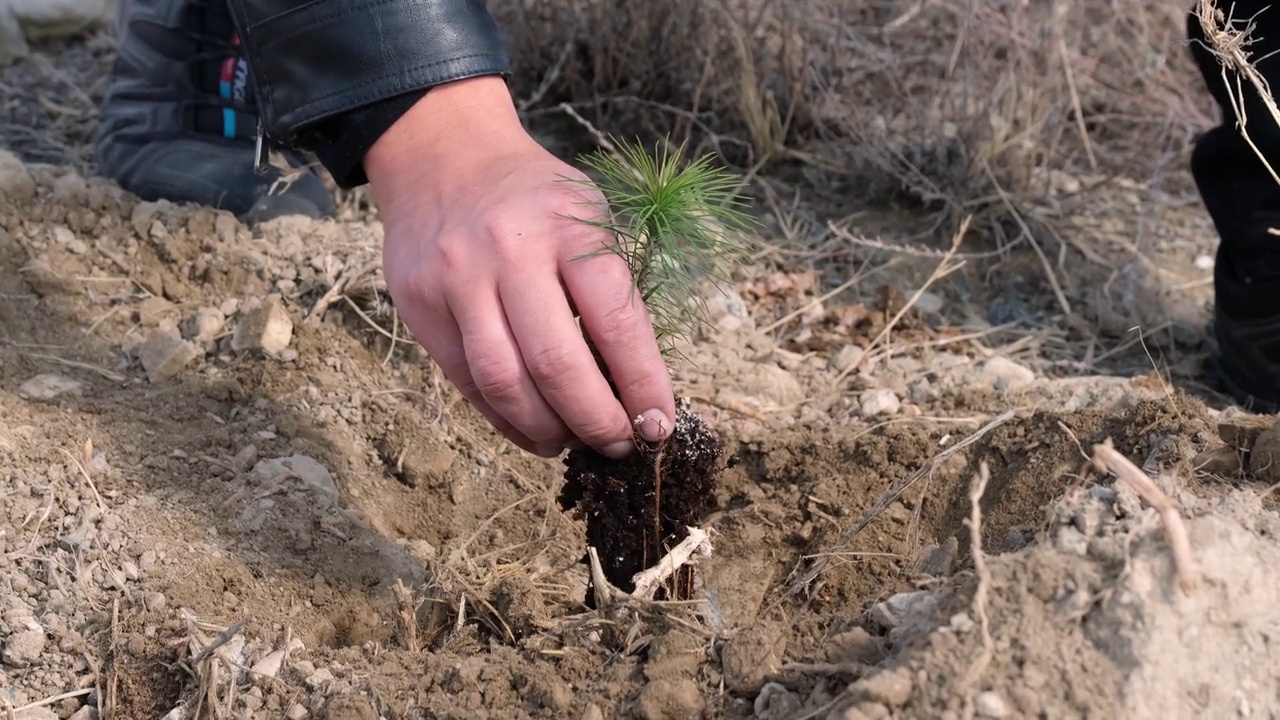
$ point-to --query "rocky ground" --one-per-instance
(231, 487)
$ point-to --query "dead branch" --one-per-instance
(1107, 458)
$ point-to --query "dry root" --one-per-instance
(1107, 458)
(647, 582)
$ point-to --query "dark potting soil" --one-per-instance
(638, 508)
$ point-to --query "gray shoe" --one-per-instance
(179, 122)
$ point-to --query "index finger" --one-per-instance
(615, 317)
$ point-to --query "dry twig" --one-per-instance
(1107, 458)
(979, 603)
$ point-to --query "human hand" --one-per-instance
(484, 260)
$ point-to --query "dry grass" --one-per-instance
(962, 107)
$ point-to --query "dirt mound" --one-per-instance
(229, 482)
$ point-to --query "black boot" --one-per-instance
(1243, 199)
(179, 123)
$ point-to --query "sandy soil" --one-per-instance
(229, 489)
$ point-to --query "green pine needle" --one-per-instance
(673, 221)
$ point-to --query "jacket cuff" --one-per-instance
(343, 141)
(332, 75)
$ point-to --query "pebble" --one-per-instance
(593, 712)
(15, 182)
(990, 705)
(302, 467)
(1004, 375)
(23, 648)
(879, 402)
(155, 601)
(854, 646)
(267, 327)
(36, 713)
(48, 386)
(164, 354)
(204, 325)
(775, 702)
(888, 687)
(70, 188)
(319, 678)
(849, 356)
(130, 570)
(295, 712)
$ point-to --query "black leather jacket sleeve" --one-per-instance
(333, 75)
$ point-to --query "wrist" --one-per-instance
(444, 128)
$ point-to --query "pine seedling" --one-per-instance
(673, 222)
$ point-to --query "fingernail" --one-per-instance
(620, 449)
(653, 425)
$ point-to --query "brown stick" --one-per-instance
(1106, 457)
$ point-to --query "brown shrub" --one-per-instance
(957, 106)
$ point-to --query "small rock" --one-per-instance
(155, 601)
(1264, 459)
(164, 354)
(1005, 375)
(88, 712)
(670, 700)
(47, 386)
(267, 328)
(899, 608)
(751, 656)
(71, 188)
(593, 712)
(15, 182)
(204, 325)
(295, 712)
(130, 570)
(879, 402)
(728, 311)
(889, 687)
(855, 646)
(926, 302)
(147, 559)
(36, 713)
(990, 705)
(776, 702)
(62, 235)
(304, 468)
(1071, 541)
(23, 648)
(319, 679)
(142, 216)
(848, 357)
(224, 226)
(862, 711)
(229, 307)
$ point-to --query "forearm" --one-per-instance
(333, 75)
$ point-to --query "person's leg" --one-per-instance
(178, 121)
(1243, 199)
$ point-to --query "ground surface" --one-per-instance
(352, 542)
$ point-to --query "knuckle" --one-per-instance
(643, 382)
(599, 429)
(450, 255)
(496, 380)
(618, 323)
(551, 365)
